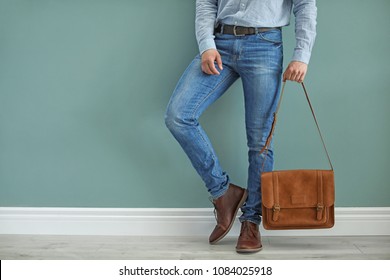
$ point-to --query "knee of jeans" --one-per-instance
(169, 120)
(175, 120)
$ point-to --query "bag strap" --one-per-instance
(269, 138)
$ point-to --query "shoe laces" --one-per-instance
(215, 208)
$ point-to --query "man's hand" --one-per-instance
(208, 59)
(295, 71)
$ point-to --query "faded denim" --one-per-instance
(256, 59)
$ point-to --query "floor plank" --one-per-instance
(55, 247)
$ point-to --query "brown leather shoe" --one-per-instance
(249, 240)
(226, 208)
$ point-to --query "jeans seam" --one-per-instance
(269, 40)
(197, 107)
(204, 99)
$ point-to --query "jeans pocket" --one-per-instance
(272, 36)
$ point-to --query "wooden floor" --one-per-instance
(188, 248)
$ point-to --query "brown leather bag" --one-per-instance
(297, 199)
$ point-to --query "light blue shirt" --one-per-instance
(258, 13)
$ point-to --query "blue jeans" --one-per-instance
(258, 60)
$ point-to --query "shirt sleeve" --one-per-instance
(206, 14)
(305, 12)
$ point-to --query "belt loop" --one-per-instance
(256, 30)
(222, 26)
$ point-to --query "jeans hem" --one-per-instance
(221, 192)
(243, 219)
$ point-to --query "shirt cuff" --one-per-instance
(301, 55)
(206, 45)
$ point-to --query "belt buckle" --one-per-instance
(235, 32)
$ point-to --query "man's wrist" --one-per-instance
(301, 56)
(206, 45)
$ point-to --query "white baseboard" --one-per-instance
(169, 222)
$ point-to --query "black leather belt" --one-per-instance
(241, 30)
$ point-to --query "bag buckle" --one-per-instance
(320, 207)
(276, 210)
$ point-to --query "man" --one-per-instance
(238, 39)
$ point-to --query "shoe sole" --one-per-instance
(254, 250)
(243, 198)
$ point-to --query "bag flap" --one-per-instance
(297, 188)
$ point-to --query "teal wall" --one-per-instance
(84, 86)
